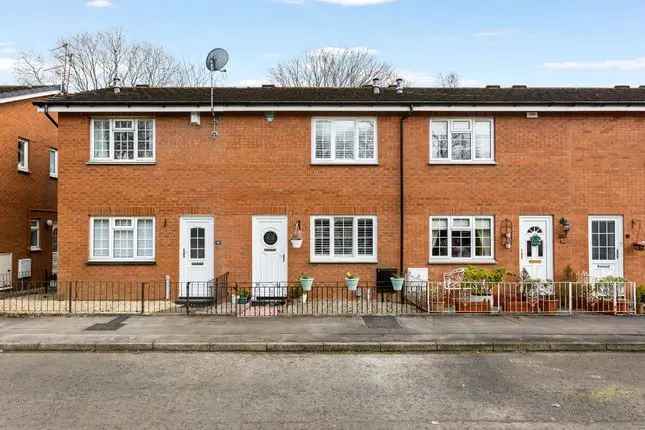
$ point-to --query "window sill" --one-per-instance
(121, 263)
(343, 163)
(463, 163)
(462, 261)
(342, 261)
(120, 163)
(35, 249)
(24, 172)
(53, 177)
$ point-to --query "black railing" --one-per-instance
(222, 297)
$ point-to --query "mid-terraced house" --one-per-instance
(28, 180)
(156, 183)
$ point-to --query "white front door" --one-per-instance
(269, 256)
(536, 246)
(196, 259)
(55, 249)
(605, 246)
(6, 262)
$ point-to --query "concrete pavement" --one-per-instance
(321, 391)
(332, 334)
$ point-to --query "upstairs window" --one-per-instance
(461, 239)
(23, 155)
(53, 163)
(343, 239)
(122, 239)
(461, 140)
(123, 140)
(344, 141)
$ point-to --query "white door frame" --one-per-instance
(619, 241)
(548, 250)
(209, 242)
(283, 220)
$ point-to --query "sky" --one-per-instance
(532, 42)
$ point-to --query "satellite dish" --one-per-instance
(216, 59)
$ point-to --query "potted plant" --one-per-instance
(306, 282)
(477, 281)
(397, 281)
(351, 281)
(296, 237)
(243, 297)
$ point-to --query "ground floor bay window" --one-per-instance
(122, 239)
(343, 239)
(461, 239)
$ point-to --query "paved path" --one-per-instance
(313, 391)
(197, 333)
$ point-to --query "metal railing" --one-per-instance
(222, 297)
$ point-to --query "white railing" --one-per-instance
(540, 297)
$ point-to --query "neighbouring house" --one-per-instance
(158, 183)
(28, 181)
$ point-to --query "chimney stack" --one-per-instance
(375, 86)
(399, 86)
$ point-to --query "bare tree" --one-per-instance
(448, 80)
(332, 67)
(95, 59)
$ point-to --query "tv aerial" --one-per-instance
(216, 60)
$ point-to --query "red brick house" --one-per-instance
(28, 180)
(154, 185)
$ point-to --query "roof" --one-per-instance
(9, 93)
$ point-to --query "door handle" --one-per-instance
(183, 253)
(283, 258)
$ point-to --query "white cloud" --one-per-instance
(492, 33)
(620, 65)
(337, 50)
(7, 48)
(341, 2)
(99, 3)
(6, 64)
(357, 2)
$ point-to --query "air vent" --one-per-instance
(532, 115)
(493, 86)
(519, 86)
(622, 87)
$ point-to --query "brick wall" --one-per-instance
(25, 196)
(564, 165)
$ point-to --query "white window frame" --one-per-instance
(472, 259)
(354, 258)
(53, 173)
(333, 159)
(110, 158)
(110, 257)
(24, 167)
(473, 142)
(35, 228)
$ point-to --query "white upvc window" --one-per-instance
(343, 239)
(462, 239)
(34, 235)
(23, 155)
(122, 239)
(122, 140)
(462, 141)
(53, 163)
(344, 140)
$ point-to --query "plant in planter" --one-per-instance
(397, 281)
(478, 282)
(296, 237)
(243, 297)
(306, 282)
(351, 281)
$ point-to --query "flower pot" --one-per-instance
(466, 305)
(296, 243)
(306, 284)
(397, 283)
(351, 283)
(548, 305)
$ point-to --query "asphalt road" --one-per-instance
(308, 391)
